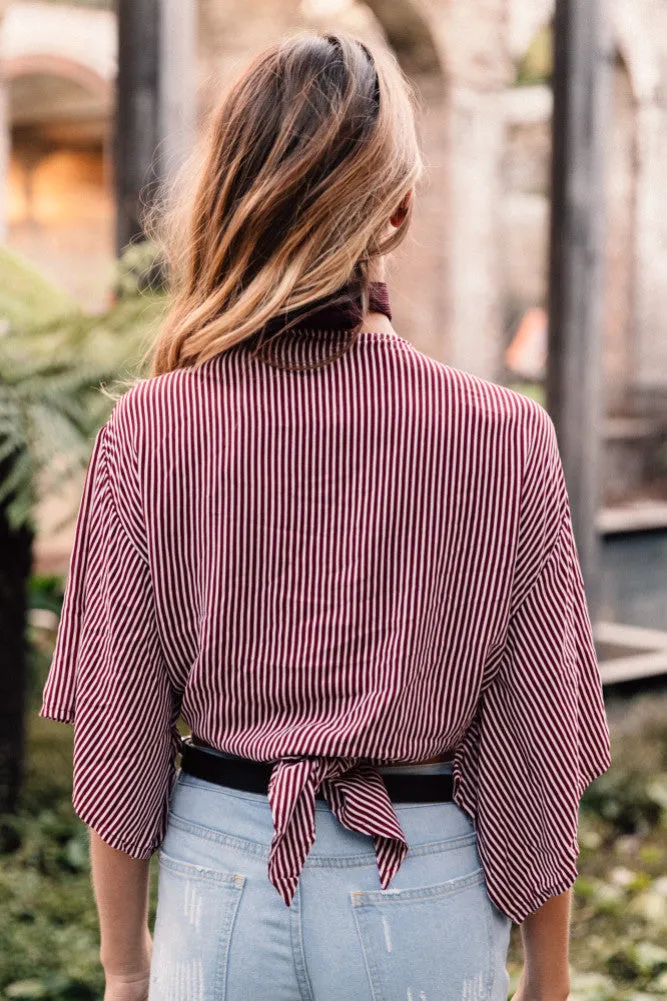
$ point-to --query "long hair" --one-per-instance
(312, 149)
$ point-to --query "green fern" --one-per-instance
(47, 414)
(53, 381)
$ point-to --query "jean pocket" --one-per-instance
(428, 942)
(196, 908)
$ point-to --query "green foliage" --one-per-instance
(46, 592)
(51, 373)
(633, 798)
(633, 802)
(49, 935)
(537, 63)
(26, 297)
(139, 269)
(535, 390)
(48, 412)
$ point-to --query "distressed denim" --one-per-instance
(222, 933)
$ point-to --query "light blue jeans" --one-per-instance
(222, 933)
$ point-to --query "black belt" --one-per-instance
(253, 776)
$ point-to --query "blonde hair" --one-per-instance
(311, 151)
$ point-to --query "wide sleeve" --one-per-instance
(540, 734)
(108, 675)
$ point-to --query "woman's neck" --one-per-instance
(373, 322)
(376, 323)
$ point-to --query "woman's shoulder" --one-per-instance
(159, 399)
(484, 399)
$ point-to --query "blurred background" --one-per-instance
(537, 258)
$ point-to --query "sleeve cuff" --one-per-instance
(64, 714)
(131, 848)
(519, 911)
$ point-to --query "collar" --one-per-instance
(329, 315)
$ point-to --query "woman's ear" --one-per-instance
(399, 215)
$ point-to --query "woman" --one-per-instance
(351, 569)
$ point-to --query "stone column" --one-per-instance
(620, 174)
(650, 369)
(416, 274)
(177, 75)
(640, 32)
(474, 41)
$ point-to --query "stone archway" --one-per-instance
(54, 65)
(58, 69)
(60, 204)
(60, 199)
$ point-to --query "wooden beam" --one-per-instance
(137, 113)
(575, 363)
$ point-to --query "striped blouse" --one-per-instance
(362, 564)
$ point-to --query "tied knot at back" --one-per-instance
(358, 798)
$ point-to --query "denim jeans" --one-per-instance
(222, 933)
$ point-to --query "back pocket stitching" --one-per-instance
(370, 898)
(371, 969)
(200, 871)
(211, 834)
(361, 898)
(235, 882)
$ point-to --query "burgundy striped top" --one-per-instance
(365, 564)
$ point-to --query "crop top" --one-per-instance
(363, 564)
